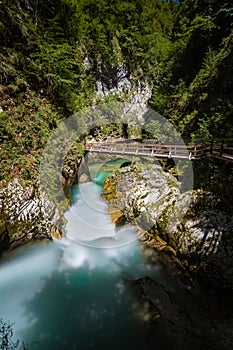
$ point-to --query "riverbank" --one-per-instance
(190, 227)
(127, 295)
(26, 216)
(56, 291)
(169, 302)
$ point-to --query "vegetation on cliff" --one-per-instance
(56, 55)
(193, 228)
(54, 52)
(195, 85)
(59, 56)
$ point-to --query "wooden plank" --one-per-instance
(220, 150)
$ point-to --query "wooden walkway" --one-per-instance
(222, 150)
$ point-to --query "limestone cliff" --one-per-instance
(26, 215)
(191, 226)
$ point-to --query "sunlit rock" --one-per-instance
(26, 215)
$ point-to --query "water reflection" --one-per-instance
(87, 306)
(70, 296)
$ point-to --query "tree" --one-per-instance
(6, 335)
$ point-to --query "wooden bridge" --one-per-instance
(219, 149)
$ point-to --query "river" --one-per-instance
(74, 293)
(79, 293)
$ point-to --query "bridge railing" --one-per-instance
(217, 148)
(221, 147)
(160, 150)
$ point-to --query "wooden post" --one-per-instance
(125, 130)
(211, 146)
(170, 152)
(221, 149)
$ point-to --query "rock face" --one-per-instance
(204, 239)
(144, 197)
(197, 246)
(69, 174)
(192, 226)
(26, 215)
(179, 327)
(166, 318)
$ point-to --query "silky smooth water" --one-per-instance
(72, 294)
(99, 171)
(88, 221)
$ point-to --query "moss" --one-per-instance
(109, 190)
(173, 183)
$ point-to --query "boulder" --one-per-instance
(190, 225)
(26, 215)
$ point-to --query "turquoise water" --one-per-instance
(102, 172)
(72, 295)
(67, 296)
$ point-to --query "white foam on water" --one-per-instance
(21, 277)
(76, 255)
(24, 275)
(89, 223)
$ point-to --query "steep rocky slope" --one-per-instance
(190, 225)
(27, 215)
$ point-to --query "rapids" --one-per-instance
(74, 293)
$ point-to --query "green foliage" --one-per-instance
(53, 52)
(25, 129)
(196, 85)
(203, 134)
(56, 67)
(218, 179)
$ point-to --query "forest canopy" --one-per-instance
(54, 52)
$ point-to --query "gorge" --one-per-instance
(111, 289)
(101, 290)
(112, 250)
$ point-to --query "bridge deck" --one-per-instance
(163, 151)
